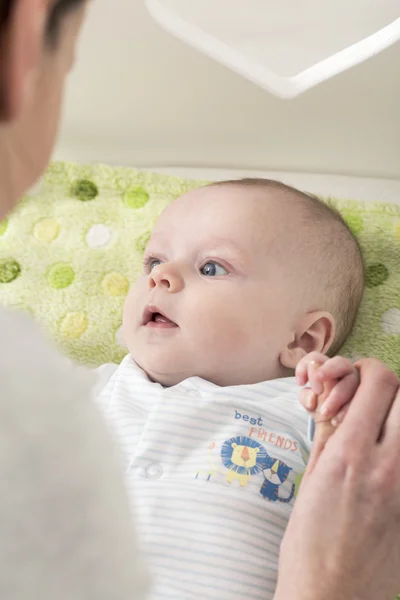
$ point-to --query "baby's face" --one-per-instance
(214, 299)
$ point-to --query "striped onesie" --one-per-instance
(213, 472)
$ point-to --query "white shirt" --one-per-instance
(65, 522)
(214, 471)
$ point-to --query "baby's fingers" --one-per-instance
(340, 395)
(335, 368)
(308, 399)
(310, 361)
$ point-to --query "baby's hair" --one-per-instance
(336, 253)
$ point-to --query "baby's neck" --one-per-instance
(171, 380)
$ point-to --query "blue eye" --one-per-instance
(213, 269)
(150, 263)
(154, 263)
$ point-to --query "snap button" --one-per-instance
(153, 471)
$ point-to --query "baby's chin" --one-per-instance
(163, 370)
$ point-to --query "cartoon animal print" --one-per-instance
(275, 474)
(243, 457)
(212, 468)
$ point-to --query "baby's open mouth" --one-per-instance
(153, 317)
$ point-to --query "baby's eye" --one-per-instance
(150, 262)
(153, 263)
(213, 269)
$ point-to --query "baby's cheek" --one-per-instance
(131, 316)
(222, 328)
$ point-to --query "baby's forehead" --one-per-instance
(213, 202)
(246, 216)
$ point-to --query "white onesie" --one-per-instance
(214, 471)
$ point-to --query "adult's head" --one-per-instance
(37, 44)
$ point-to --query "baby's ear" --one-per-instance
(315, 332)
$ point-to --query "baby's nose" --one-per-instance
(166, 277)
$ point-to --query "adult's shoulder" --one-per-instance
(32, 368)
(65, 502)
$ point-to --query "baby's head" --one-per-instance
(241, 279)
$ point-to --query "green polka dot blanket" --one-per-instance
(74, 246)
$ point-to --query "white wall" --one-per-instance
(142, 98)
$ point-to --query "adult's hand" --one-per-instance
(343, 539)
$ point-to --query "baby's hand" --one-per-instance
(333, 383)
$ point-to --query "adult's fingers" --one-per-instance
(370, 406)
(340, 416)
(316, 451)
(323, 428)
(340, 395)
(336, 368)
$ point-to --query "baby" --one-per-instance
(242, 280)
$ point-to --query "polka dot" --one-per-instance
(3, 227)
(115, 284)
(121, 183)
(375, 275)
(354, 221)
(60, 276)
(136, 198)
(46, 230)
(9, 270)
(119, 338)
(84, 190)
(74, 325)
(391, 322)
(98, 236)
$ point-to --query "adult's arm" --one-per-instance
(65, 522)
(343, 539)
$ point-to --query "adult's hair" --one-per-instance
(57, 13)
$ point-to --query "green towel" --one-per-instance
(74, 246)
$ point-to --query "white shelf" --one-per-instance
(285, 47)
